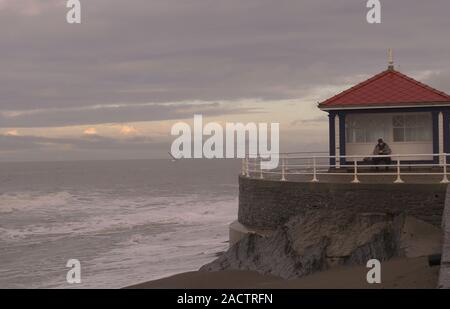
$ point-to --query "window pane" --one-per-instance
(349, 135)
(423, 134)
(358, 122)
(374, 134)
(398, 121)
(359, 136)
(369, 135)
(410, 134)
(399, 135)
(423, 120)
(427, 134)
(411, 121)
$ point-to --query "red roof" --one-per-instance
(387, 89)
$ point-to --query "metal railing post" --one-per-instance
(283, 169)
(445, 178)
(314, 171)
(399, 179)
(355, 172)
(261, 176)
(247, 171)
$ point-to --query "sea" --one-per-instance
(126, 222)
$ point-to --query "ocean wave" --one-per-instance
(24, 201)
(64, 214)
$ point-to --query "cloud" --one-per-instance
(116, 113)
(29, 7)
(161, 60)
(128, 130)
(440, 79)
(11, 133)
(87, 142)
(316, 120)
(168, 51)
(90, 131)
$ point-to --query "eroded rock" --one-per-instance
(318, 240)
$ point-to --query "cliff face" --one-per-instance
(318, 240)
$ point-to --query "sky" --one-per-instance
(113, 86)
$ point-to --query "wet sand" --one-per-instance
(404, 273)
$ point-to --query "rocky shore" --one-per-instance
(320, 240)
(324, 249)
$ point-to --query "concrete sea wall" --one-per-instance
(266, 204)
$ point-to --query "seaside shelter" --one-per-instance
(413, 118)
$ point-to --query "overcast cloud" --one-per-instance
(130, 58)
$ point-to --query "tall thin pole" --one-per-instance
(445, 178)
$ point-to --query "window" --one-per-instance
(364, 128)
(412, 128)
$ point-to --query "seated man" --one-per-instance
(382, 149)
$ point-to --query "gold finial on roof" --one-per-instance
(390, 60)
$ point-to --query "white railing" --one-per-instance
(313, 167)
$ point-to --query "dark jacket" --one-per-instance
(384, 149)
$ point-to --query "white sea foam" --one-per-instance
(172, 234)
(141, 229)
(23, 201)
(108, 215)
